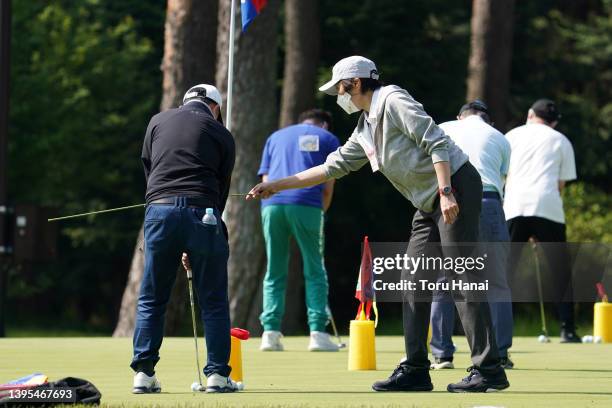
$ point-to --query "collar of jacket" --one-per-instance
(197, 105)
(384, 93)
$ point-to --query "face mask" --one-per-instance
(345, 103)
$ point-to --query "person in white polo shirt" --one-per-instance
(489, 152)
(542, 162)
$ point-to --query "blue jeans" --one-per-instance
(492, 229)
(169, 231)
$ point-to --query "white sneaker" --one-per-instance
(217, 383)
(321, 341)
(270, 341)
(143, 384)
(442, 363)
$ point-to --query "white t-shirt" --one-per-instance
(541, 157)
(487, 148)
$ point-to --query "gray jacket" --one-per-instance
(406, 144)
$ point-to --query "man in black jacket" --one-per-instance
(188, 157)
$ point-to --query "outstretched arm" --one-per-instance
(311, 177)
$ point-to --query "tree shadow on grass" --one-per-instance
(276, 391)
(585, 370)
(556, 392)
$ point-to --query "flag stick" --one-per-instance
(230, 67)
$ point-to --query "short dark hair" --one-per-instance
(547, 110)
(476, 107)
(319, 116)
(367, 84)
(470, 112)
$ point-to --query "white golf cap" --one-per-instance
(204, 91)
(347, 68)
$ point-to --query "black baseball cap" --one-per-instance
(546, 109)
(476, 105)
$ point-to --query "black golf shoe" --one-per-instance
(405, 378)
(476, 382)
(570, 336)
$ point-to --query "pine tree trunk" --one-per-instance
(491, 55)
(254, 117)
(190, 42)
(302, 41)
(127, 313)
(189, 58)
(301, 59)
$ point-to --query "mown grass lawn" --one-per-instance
(547, 375)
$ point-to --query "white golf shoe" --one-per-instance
(442, 363)
(218, 383)
(270, 341)
(321, 341)
(143, 384)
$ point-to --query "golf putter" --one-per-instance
(333, 323)
(544, 336)
(195, 331)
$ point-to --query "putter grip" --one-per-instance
(189, 274)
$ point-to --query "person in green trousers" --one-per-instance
(299, 214)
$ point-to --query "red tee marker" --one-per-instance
(241, 334)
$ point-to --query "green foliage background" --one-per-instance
(85, 79)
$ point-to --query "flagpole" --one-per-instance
(230, 67)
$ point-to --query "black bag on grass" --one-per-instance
(84, 392)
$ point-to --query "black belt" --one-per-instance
(491, 194)
(192, 202)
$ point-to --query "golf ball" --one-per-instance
(543, 339)
(587, 339)
(196, 387)
(597, 339)
(240, 385)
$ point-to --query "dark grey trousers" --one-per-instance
(429, 227)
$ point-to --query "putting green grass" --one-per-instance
(547, 375)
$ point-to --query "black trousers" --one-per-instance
(544, 230)
(429, 227)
